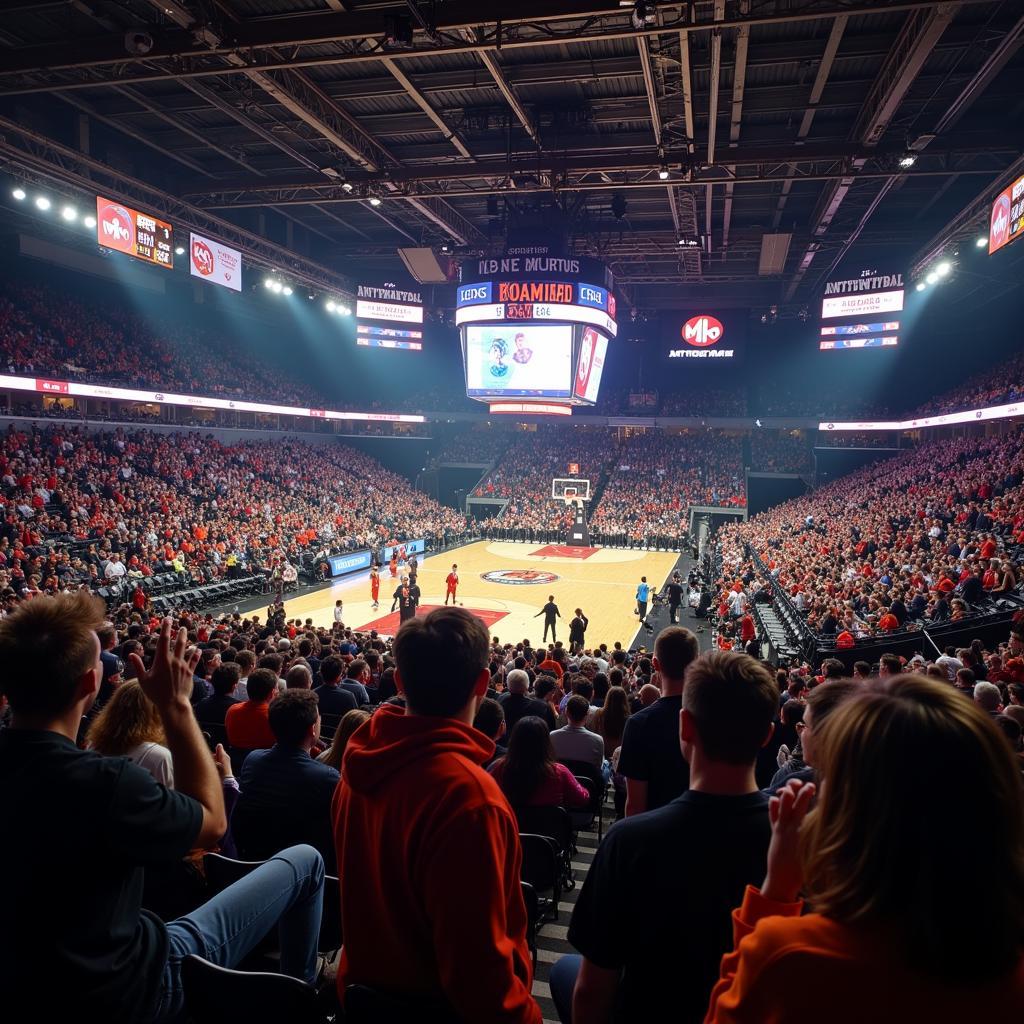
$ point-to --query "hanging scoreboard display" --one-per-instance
(535, 327)
(134, 233)
(389, 317)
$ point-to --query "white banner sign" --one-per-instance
(393, 312)
(994, 412)
(862, 305)
(213, 262)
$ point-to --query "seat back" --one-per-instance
(541, 868)
(581, 769)
(553, 822)
(365, 1005)
(218, 995)
(223, 871)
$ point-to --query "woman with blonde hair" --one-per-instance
(609, 721)
(916, 888)
(350, 721)
(129, 726)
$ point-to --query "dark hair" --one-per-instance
(529, 761)
(793, 711)
(331, 668)
(732, 699)
(262, 682)
(967, 677)
(863, 667)
(545, 684)
(440, 657)
(225, 678)
(46, 645)
(489, 717)
(292, 715)
(675, 648)
(833, 668)
(823, 700)
(601, 687)
(356, 668)
(577, 708)
(584, 689)
(891, 662)
(299, 677)
(273, 662)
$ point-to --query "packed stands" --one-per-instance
(929, 536)
(109, 508)
(778, 452)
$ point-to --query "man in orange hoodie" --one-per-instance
(428, 847)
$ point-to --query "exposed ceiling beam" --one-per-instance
(739, 79)
(176, 53)
(424, 104)
(489, 59)
(916, 39)
(835, 37)
(716, 72)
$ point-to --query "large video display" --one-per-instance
(593, 349)
(134, 233)
(519, 360)
(860, 312)
(389, 317)
(1007, 220)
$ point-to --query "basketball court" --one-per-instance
(506, 584)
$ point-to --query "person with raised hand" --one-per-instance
(896, 932)
(81, 830)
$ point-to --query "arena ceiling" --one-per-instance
(338, 130)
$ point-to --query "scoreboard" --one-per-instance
(134, 233)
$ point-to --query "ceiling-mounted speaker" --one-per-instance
(137, 42)
(425, 266)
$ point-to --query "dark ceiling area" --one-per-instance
(734, 150)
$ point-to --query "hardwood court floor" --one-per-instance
(507, 583)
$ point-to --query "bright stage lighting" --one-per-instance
(331, 305)
(932, 277)
(921, 286)
(90, 221)
(179, 250)
(663, 174)
(374, 201)
(42, 202)
(287, 290)
(268, 283)
(981, 241)
(19, 194)
(69, 213)
(944, 268)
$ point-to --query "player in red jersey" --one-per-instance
(374, 585)
(393, 564)
(453, 581)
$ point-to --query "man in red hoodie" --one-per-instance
(428, 847)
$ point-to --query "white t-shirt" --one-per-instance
(156, 759)
(338, 612)
(574, 744)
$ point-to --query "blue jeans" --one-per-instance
(287, 891)
(562, 981)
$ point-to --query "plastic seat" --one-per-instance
(218, 995)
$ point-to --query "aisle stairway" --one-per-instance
(552, 942)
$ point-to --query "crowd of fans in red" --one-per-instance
(148, 502)
(917, 538)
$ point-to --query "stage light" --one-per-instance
(921, 286)
(981, 241)
(944, 268)
(42, 202)
(90, 221)
(268, 282)
(346, 186)
(276, 288)
(69, 213)
(908, 160)
(179, 250)
(287, 290)
(663, 174)
(374, 201)
(331, 306)
(19, 194)
(932, 277)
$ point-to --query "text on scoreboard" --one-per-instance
(134, 233)
(565, 293)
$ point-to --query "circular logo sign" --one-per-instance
(116, 227)
(202, 258)
(702, 331)
(999, 226)
(518, 577)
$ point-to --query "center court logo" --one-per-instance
(518, 577)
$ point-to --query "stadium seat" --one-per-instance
(542, 870)
(218, 995)
(365, 1005)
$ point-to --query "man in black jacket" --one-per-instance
(577, 630)
(516, 704)
(551, 613)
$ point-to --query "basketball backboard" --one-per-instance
(570, 489)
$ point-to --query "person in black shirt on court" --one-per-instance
(650, 760)
(674, 592)
(577, 631)
(654, 917)
(550, 612)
